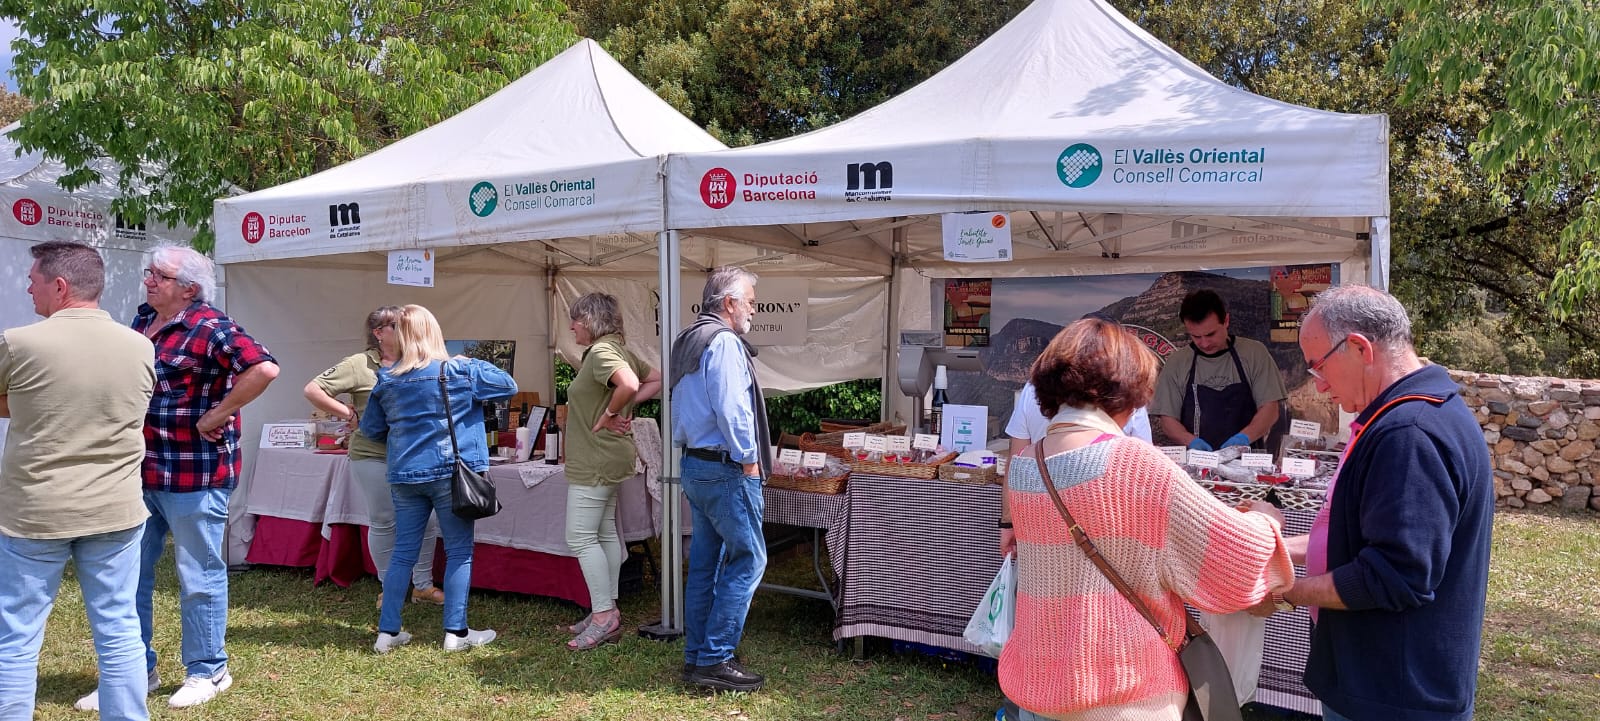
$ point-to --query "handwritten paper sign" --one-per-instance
(411, 267)
(977, 237)
(814, 459)
(1299, 467)
(875, 444)
(1256, 460)
(789, 457)
(1178, 454)
(1203, 459)
(925, 442)
(1310, 430)
(855, 440)
(899, 444)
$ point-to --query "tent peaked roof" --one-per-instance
(579, 122)
(1061, 68)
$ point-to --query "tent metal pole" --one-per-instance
(891, 338)
(670, 627)
(1378, 259)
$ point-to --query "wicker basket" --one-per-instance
(967, 474)
(1301, 499)
(928, 470)
(1232, 492)
(835, 438)
(830, 485)
(809, 442)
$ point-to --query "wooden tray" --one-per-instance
(904, 470)
(830, 485)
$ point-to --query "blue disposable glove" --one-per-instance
(1199, 444)
(1237, 439)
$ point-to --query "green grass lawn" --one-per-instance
(303, 652)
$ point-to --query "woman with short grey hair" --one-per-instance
(600, 453)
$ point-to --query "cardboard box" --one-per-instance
(288, 434)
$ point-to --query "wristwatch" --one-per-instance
(1280, 603)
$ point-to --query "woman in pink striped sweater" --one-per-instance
(1080, 650)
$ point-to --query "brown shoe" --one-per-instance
(433, 595)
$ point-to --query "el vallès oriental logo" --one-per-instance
(483, 199)
(1081, 164)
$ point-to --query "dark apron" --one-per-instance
(1215, 415)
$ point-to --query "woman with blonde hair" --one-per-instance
(407, 411)
(600, 455)
(1080, 649)
(355, 376)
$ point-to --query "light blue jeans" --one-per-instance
(592, 535)
(107, 574)
(372, 477)
(413, 503)
(727, 556)
(198, 522)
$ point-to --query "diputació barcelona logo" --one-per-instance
(1079, 166)
(483, 199)
(717, 188)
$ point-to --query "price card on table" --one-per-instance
(1256, 460)
(855, 440)
(789, 457)
(899, 444)
(814, 459)
(1203, 459)
(1300, 467)
(1309, 430)
(875, 444)
(1000, 465)
(1178, 454)
(925, 442)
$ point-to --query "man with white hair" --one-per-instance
(207, 368)
(720, 421)
(1397, 561)
(76, 386)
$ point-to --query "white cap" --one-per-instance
(940, 378)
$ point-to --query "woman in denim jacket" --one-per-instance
(406, 410)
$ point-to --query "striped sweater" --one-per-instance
(1080, 651)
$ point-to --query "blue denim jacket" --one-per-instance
(407, 412)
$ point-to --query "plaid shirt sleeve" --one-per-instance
(197, 358)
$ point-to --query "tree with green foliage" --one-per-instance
(1542, 57)
(255, 93)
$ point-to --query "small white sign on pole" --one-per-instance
(977, 237)
(411, 267)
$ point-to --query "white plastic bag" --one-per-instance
(992, 621)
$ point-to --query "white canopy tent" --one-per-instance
(37, 209)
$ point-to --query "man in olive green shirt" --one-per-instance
(76, 386)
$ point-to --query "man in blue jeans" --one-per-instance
(720, 421)
(76, 386)
(207, 368)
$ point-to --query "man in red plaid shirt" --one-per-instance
(207, 368)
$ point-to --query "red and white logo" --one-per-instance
(27, 211)
(253, 228)
(717, 188)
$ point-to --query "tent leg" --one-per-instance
(670, 626)
(1378, 263)
(891, 339)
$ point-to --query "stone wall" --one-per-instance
(1542, 435)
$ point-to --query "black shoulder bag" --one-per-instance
(471, 492)
(1211, 696)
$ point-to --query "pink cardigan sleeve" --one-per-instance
(1218, 559)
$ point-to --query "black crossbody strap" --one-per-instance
(449, 420)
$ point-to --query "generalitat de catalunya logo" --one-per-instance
(483, 199)
(1079, 166)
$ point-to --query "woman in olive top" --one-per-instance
(356, 375)
(600, 455)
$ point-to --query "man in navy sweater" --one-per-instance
(1397, 563)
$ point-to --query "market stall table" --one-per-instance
(310, 513)
(914, 557)
(819, 512)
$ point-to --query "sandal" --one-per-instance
(580, 626)
(594, 635)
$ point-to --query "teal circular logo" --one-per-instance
(484, 198)
(1079, 166)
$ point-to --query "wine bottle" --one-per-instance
(552, 439)
(936, 412)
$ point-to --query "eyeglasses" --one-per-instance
(1315, 369)
(153, 273)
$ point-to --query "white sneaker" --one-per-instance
(91, 702)
(473, 639)
(200, 689)
(389, 641)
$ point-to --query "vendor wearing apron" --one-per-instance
(1220, 391)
